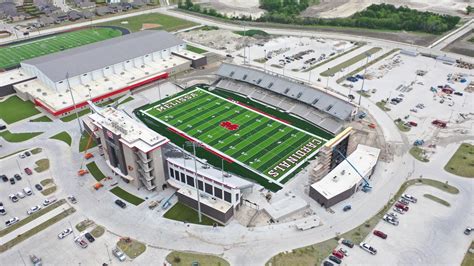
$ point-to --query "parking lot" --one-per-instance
(424, 232)
(396, 76)
(10, 166)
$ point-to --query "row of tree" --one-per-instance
(382, 16)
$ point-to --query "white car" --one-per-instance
(12, 221)
(65, 233)
(27, 191)
(390, 219)
(119, 254)
(20, 195)
(409, 198)
(81, 242)
(48, 201)
(13, 197)
(368, 248)
(394, 215)
(398, 210)
(34, 209)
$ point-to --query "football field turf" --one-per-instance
(12, 55)
(240, 134)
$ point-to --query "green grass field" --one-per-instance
(267, 146)
(462, 162)
(195, 49)
(12, 55)
(15, 109)
(163, 22)
(63, 136)
(183, 213)
(130, 198)
(18, 137)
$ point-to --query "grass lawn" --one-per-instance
(63, 136)
(18, 137)
(36, 229)
(46, 181)
(195, 49)
(316, 253)
(132, 249)
(84, 140)
(434, 198)
(401, 126)
(365, 94)
(333, 70)
(130, 198)
(95, 171)
(49, 191)
(42, 119)
(251, 33)
(98, 231)
(383, 105)
(165, 22)
(30, 218)
(15, 109)
(469, 257)
(129, 98)
(36, 150)
(81, 226)
(183, 213)
(178, 258)
(73, 116)
(418, 153)
(333, 58)
(42, 165)
(462, 162)
(12, 55)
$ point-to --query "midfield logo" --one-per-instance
(229, 125)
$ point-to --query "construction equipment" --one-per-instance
(366, 187)
(88, 155)
(97, 186)
(82, 172)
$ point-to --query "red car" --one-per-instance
(413, 124)
(338, 254)
(401, 206)
(380, 234)
(28, 171)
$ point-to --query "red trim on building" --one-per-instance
(105, 96)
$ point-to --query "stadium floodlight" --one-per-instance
(198, 144)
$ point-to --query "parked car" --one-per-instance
(20, 195)
(65, 233)
(3, 127)
(89, 237)
(72, 199)
(27, 191)
(34, 209)
(409, 198)
(402, 206)
(335, 259)
(81, 242)
(49, 201)
(327, 263)
(468, 230)
(17, 177)
(380, 234)
(12, 221)
(338, 254)
(13, 197)
(394, 215)
(120, 255)
(368, 248)
(413, 124)
(404, 201)
(347, 208)
(4, 178)
(398, 210)
(120, 203)
(38, 187)
(2, 209)
(348, 243)
(458, 93)
(390, 220)
(27, 153)
(28, 171)
(12, 181)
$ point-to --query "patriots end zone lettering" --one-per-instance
(294, 158)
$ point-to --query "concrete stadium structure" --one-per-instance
(64, 81)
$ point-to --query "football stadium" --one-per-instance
(239, 133)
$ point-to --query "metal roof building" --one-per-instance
(134, 49)
(294, 89)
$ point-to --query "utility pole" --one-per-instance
(108, 253)
(73, 234)
(73, 102)
(363, 80)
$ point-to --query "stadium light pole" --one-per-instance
(193, 143)
(73, 102)
(363, 80)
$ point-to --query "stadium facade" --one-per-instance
(64, 81)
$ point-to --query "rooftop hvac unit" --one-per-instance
(226, 174)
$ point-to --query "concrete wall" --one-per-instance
(318, 197)
(208, 211)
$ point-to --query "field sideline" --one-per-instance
(259, 142)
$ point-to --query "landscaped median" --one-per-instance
(95, 171)
(131, 247)
(64, 137)
(316, 253)
(183, 213)
(333, 70)
(178, 258)
(462, 162)
(130, 198)
(36, 229)
(18, 137)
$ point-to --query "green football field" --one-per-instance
(12, 55)
(259, 142)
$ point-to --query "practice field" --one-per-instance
(238, 133)
(151, 21)
(12, 55)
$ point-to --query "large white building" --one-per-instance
(64, 81)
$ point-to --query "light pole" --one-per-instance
(363, 80)
(193, 143)
(73, 102)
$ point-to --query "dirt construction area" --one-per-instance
(235, 8)
(464, 45)
(345, 8)
(425, 231)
